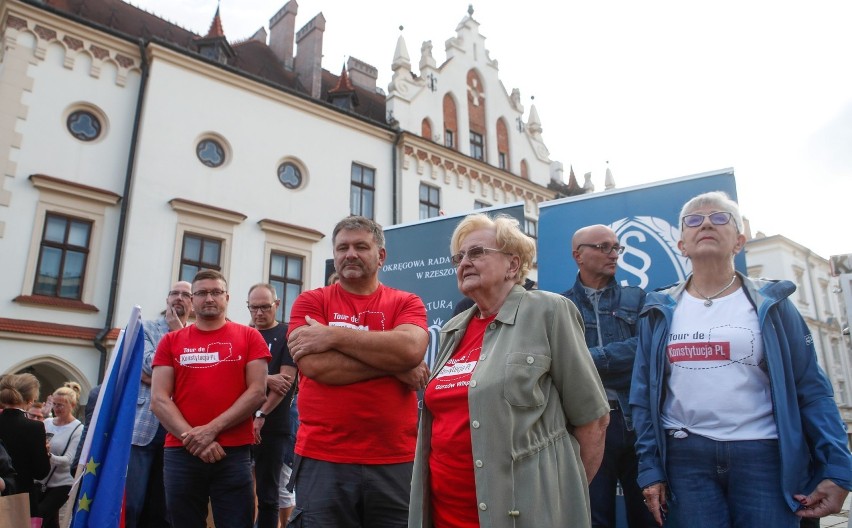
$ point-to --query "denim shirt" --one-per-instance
(618, 311)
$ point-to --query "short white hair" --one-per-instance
(717, 199)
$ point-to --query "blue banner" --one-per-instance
(645, 218)
(107, 446)
(418, 261)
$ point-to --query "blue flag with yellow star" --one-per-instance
(107, 446)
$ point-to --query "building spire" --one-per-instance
(609, 181)
(215, 26)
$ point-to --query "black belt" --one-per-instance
(614, 405)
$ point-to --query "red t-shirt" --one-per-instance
(369, 422)
(210, 374)
(452, 482)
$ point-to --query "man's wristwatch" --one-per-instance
(260, 414)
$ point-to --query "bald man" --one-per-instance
(610, 312)
(146, 499)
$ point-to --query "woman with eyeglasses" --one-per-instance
(24, 439)
(736, 423)
(66, 431)
(514, 415)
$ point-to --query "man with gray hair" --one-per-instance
(359, 346)
(271, 423)
(145, 495)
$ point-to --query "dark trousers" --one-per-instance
(350, 495)
(268, 459)
(145, 493)
(48, 507)
(190, 482)
(619, 464)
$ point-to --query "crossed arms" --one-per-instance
(339, 356)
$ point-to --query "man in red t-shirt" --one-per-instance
(209, 379)
(359, 346)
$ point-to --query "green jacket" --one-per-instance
(534, 380)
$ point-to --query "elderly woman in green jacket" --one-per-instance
(515, 415)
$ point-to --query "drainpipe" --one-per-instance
(122, 219)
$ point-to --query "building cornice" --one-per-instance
(209, 212)
(449, 161)
(43, 182)
(50, 27)
(291, 230)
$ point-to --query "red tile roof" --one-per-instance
(251, 56)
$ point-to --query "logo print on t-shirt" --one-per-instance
(457, 370)
(693, 351)
(365, 321)
(209, 356)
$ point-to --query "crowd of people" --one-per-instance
(702, 402)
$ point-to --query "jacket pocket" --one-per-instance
(522, 379)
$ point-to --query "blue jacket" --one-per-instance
(811, 434)
(618, 311)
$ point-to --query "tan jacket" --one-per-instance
(534, 380)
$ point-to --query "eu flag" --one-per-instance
(103, 461)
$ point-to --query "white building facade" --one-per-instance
(817, 298)
(136, 153)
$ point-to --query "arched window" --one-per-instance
(525, 171)
(476, 114)
(502, 144)
(426, 129)
(451, 127)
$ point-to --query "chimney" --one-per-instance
(308, 62)
(282, 28)
(362, 74)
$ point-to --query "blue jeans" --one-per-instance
(268, 459)
(726, 484)
(619, 464)
(227, 483)
(145, 491)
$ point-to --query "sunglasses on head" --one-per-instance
(716, 218)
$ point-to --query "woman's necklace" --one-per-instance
(708, 301)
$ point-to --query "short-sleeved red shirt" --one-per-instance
(210, 374)
(369, 422)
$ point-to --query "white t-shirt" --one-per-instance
(717, 384)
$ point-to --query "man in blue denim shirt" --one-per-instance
(610, 312)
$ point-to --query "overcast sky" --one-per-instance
(660, 89)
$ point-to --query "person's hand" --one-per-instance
(655, 500)
(826, 499)
(312, 338)
(416, 378)
(173, 320)
(279, 383)
(256, 426)
(198, 438)
(212, 453)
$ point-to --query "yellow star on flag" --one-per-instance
(84, 502)
(91, 466)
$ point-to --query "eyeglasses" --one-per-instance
(716, 218)
(472, 254)
(606, 248)
(262, 308)
(182, 294)
(202, 294)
